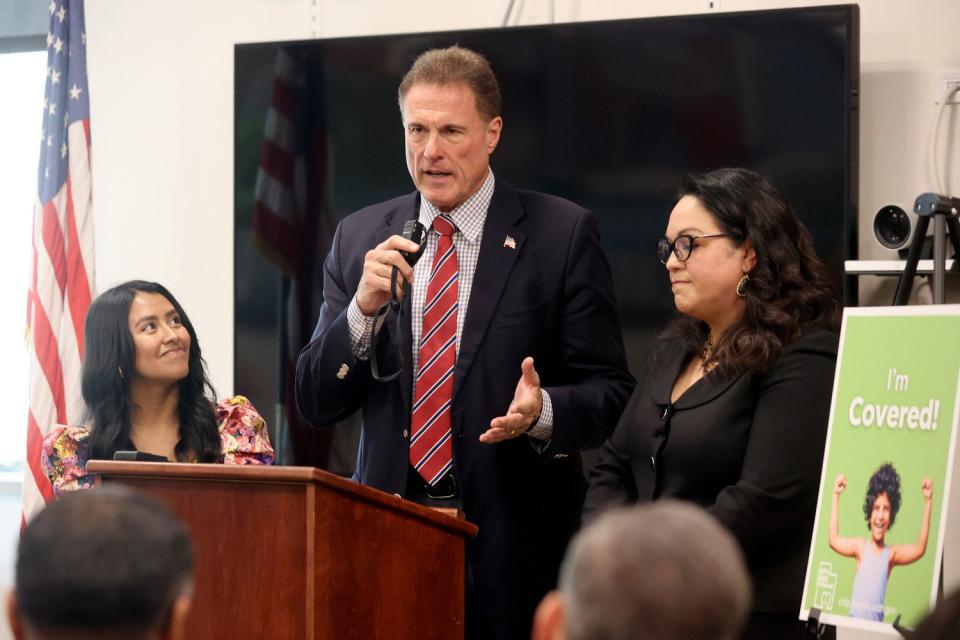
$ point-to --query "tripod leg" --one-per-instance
(953, 231)
(905, 286)
(939, 258)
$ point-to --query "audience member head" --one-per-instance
(756, 275)
(138, 335)
(104, 563)
(663, 571)
(943, 622)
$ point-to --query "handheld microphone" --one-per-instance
(414, 231)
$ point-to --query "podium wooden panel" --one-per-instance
(295, 552)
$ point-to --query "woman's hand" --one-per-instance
(927, 489)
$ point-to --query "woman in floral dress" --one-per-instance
(145, 387)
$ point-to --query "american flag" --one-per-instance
(279, 193)
(63, 270)
(291, 220)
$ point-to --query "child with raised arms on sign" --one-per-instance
(876, 559)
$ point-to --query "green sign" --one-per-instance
(878, 537)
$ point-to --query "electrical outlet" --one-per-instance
(947, 81)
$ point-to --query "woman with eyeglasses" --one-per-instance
(145, 387)
(732, 412)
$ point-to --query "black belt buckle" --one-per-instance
(445, 489)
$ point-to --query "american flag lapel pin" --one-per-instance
(509, 242)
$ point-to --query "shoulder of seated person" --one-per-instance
(236, 408)
(66, 433)
(234, 401)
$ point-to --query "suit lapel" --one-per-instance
(667, 366)
(494, 264)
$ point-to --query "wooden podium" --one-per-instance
(296, 552)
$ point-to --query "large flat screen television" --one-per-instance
(608, 114)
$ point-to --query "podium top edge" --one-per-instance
(268, 474)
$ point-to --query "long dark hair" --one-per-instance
(108, 366)
(788, 288)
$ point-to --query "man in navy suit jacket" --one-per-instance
(540, 371)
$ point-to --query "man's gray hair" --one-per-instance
(667, 570)
(455, 65)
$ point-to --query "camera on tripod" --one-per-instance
(893, 227)
(945, 211)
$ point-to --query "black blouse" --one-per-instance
(749, 449)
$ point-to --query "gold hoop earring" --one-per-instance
(120, 372)
(742, 286)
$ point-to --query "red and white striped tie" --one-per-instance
(431, 452)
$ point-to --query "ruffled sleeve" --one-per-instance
(243, 433)
(64, 459)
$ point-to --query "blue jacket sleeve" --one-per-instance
(330, 381)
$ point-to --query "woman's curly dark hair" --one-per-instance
(109, 349)
(788, 288)
(884, 480)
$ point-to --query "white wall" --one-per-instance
(161, 88)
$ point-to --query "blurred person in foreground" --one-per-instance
(666, 571)
(943, 623)
(106, 564)
(733, 409)
(145, 387)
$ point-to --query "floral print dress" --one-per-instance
(243, 440)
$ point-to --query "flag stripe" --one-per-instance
(70, 361)
(276, 196)
(277, 162)
(78, 287)
(34, 447)
(284, 98)
(276, 238)
(48, 356)
(42, 405)
(280, 131)
(53, 243)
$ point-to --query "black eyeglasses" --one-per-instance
(682, 246)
